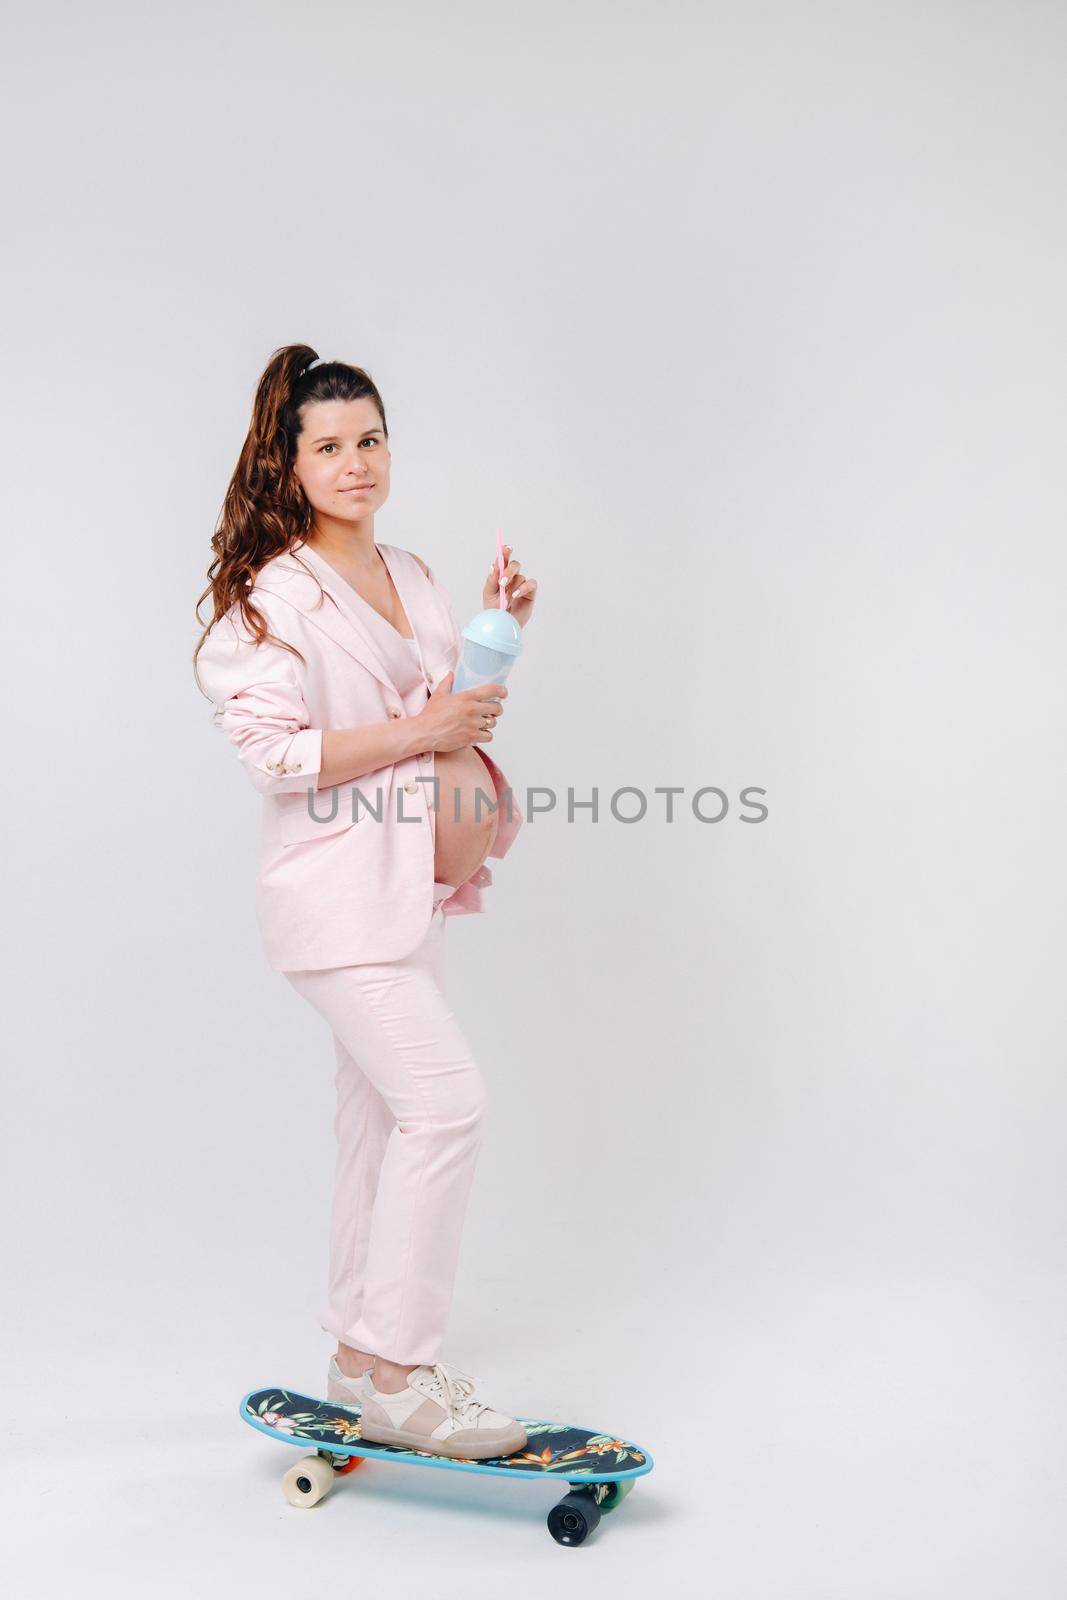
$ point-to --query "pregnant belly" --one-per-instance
(461, 842)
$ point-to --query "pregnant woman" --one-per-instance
(329, 659)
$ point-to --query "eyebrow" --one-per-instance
(331, 438)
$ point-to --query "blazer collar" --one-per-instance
(288, 577)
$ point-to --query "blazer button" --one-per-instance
(394, 711)
(294, 768)
(411, 787)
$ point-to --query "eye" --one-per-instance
(330, 446)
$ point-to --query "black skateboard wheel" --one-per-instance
(573, 1520)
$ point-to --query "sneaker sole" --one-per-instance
(483, 1450)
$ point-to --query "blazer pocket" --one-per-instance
(298, 823)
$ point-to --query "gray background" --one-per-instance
(746, 323)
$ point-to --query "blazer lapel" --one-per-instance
(412, 586)
(426, 612)
(290, 580)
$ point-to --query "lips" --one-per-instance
(357, 488)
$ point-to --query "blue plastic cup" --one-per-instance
(492, 643)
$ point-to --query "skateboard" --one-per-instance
(599, 1469)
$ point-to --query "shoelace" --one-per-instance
(458, 1389)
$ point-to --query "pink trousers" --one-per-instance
(410, 1106)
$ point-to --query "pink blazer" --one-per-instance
(339, 892)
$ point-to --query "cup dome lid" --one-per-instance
(496, 630)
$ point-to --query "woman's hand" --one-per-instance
(450, 721)
(520, 592)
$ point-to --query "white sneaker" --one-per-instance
(437, 1413)
(347, 1391)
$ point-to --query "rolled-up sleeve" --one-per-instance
(260, 707)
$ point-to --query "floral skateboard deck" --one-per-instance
(598, 1468)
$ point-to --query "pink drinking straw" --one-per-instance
(500, 565)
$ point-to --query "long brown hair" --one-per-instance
(265, 510)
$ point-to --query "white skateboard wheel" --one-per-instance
(308, 1482)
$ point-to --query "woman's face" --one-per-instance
(342, 459)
